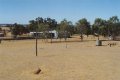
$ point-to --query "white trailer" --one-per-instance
(54, 34)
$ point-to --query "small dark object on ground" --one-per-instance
(111, 44)
(37, 71)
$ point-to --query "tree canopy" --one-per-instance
(110, 27)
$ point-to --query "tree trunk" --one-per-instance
(81, 36)
(98, 37)
(51, 35)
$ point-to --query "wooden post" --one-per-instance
(51, 36)
(36, 43)
(65, 37)
(37, 37)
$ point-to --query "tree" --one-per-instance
(114, 26)
(83, 26)
(65, 27)
(50, 24)
(32, 25)
(99, 27)
(114, 19)
(42, 24)
(18, 29)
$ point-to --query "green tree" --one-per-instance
(114, 19)
(41, 23)
(113, 26)
(32, 25)
(99, 27)
(65, 27)
(18, 29)
(83, 27)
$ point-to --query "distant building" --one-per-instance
(53, 34)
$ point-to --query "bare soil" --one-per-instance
(79, 61)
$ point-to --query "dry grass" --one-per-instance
(79, 61)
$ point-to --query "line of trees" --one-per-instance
(105, 28)
(110, 27)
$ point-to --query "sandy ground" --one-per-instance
(79, 61)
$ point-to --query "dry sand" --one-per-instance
(79, 61)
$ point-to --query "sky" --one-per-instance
(22, 11)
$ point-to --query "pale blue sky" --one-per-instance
(21, 11)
